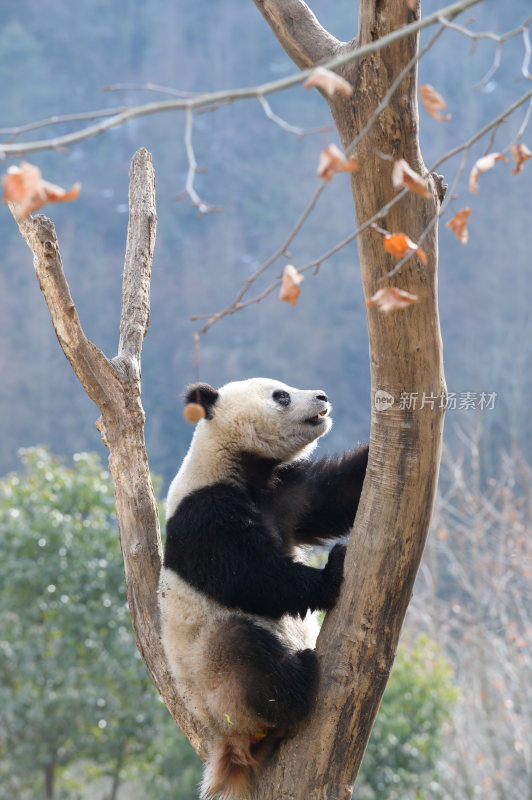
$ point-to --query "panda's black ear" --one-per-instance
(204, 395)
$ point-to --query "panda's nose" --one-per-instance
(322, 396)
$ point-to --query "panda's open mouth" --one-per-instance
(319, 418)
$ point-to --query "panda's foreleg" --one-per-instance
(332, 489)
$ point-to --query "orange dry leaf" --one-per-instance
(399, 245)
(520, 154)
(333, 160)
(290, 287)
(329, 81)
(392, 299)
(404, 176)
(24, 186)
(480, 166)
(458, 225)
(433, 102)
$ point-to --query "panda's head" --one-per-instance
(262, 416)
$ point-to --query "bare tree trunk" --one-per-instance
(114, 385)
(117, 772)
(49, 777)
(359, 638)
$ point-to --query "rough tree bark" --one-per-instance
(359, 638)
(114, 385)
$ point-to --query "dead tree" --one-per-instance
(358, 641)
(359, 638)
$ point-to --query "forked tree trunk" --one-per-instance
(359, 637)
(114, 385)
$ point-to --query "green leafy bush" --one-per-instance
(73, 689)
(406, 743)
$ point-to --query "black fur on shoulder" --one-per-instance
(236, 543)
(204, 395)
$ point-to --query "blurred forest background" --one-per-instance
(79, 718)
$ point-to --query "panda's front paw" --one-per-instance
(333, 573)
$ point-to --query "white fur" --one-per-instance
(245, 417)
(188, 617)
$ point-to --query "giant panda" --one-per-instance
(236, 597)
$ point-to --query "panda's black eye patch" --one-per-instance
(281, 397)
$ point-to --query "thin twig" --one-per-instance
(150, 87)
(237, 94)
(17, 130)
(492, 70)
(421, 238)
(485, 34)
(524, 124)
(237, 304)
(310, 265)
(496, 121)
(493, 125)
(278, 120)
(286, 126)
(525, 69)
(202, 206)
(500, 40)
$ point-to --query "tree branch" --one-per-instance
(357, 643)
(298, 31)
(115, 387)
(213, 98)
(138, 259)
(18, 130)
(92, 368)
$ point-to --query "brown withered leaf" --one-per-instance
(458, 225)
(433, 102)
(399, 245)
(290, 287)
(404, 176)
(332, 160)
(520, 154)
(392, 299)
(482, 165)
(329, 81)
(25, 187)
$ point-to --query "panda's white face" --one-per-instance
(259, 416)
(269, 418)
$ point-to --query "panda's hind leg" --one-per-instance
(275, 683)
(254, 687)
